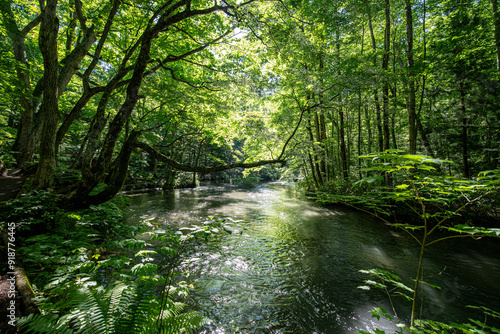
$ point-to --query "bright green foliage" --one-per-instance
(36, 212)
(388, 282)
(434, 200)
(433, 327)
(416, 182)
(93, 276)
(119, 309)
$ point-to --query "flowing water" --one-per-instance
(292, 266)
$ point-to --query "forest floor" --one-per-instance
(10, 185)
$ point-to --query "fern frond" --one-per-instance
(114, 297)
(87, 315)
(47, 324)
(141, 308)
(187, 322)
(122, 309)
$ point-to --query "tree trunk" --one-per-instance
(368, 129)
(412, 133)
(360, 127)
(315, 166)
(343, 153)
(375, 91)
(313, 173)
(320, 140)
(496, 20)
(385, 67)
(465, 153)
(322, 126)
(24, 139)
(424, 137)
(50, 110)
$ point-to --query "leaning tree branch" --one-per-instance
(203, 85)
(79, 15)
(102, 40)
(292, 135)
(31, 25)
(220, 168)
(201, 169)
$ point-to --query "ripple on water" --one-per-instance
(295, 269)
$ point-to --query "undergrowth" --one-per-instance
(92, 274)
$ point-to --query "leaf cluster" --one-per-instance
(120, 308)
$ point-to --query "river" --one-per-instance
(292, 266)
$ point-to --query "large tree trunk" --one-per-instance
(411, 106)
(50, 110)
(26, 136)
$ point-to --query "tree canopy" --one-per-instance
(94, 92)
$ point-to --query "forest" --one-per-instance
(349, 99)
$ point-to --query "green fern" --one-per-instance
(121, 309)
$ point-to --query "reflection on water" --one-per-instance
(295, 268)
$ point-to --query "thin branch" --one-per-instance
(292, 135)
(104, 36)
(460, 209)
(188, 34)
(181, 137)
(187, 82)
(171, 58)
(291, 16)
(204, 66)
(452, 237)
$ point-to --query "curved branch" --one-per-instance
(200, 169)
(188, 34)
(203, 85)
(31, 25)
(292, 135)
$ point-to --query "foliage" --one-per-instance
(34, 213)
(120, 308)
(422, 192)
(416, 180)
(224, 83)
(431, 327)
(432, 199)
(92, 274)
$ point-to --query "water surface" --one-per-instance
(294, 268)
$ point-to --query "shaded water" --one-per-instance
(295, 266)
